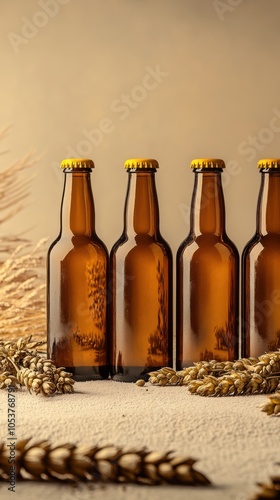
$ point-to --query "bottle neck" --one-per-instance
(77, 207)
(208, 206)
(141, 213)
(268, 210)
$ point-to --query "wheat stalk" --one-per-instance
(22, 365)
(269, 490)
(22, 295)
(273, 406)
(244, 376)
(14, 188)
(22, 265)
(43, 461)
(213, 378)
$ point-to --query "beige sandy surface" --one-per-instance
(235, 443)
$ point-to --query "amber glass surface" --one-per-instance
(261, 272)
(77, 270)
(207, 279)
(141, 277)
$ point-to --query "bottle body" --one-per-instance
(141, 276)
(77, 276)
(207, 279)
(261, 270)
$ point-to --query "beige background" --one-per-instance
(68, 66)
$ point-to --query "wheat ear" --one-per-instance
(44, 461)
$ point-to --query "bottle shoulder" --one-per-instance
(140, 243)
(262, 244)
(207, 243)
(81, 244)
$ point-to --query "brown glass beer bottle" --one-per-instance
(77, 271)
(207, 275)
(141, 278)
(261, 268)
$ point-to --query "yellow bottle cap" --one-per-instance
(207, 163)
(77, 163)
(269, 163)
(141, 163)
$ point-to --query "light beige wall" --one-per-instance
(67, 66)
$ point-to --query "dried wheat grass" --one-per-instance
(22, 265)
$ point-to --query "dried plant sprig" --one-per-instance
(200, 369)
(6, 379)
(25, 344)
(22, 365)
(268, 364)
(22, 297)
(39, 364)
(44, 461)
(14, 190)
(262, 377)
(273, 406)
(235, 383)
(264, 365)
(269, 491)
(16, 353)
(36, 383)
(22, 265)
(63, 381)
